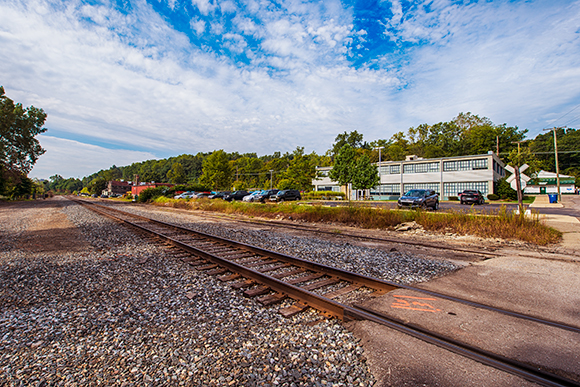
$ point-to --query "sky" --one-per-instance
(124, 81)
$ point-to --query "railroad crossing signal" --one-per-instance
(523, 178)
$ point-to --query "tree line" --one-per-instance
(466, 134)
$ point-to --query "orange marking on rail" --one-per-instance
(404, 304)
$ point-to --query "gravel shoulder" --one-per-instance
(119, 310)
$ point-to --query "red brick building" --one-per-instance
(137, 189)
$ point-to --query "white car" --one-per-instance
(250, 197)
(184, 195)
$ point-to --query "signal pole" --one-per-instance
(556, 157)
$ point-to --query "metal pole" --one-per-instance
(557, 168)
(556, 158)
(271, 178)
(380, 190)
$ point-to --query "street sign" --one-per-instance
(523, 178)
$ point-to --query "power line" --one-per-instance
(576, 107)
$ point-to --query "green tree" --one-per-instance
(217, 172)
(344, 167)
(354, 139)
(366, 175)
(300, 172)
(176, 174)
(19, 149)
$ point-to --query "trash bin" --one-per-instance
(553, 198)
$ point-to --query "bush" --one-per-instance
(150, 194)
(323, 195)
(493, 197)
(453, 198)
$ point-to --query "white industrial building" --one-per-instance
(446, 175)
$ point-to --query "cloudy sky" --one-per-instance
(130, 80)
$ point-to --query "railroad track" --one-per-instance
(272, 277)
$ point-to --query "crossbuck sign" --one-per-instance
(523, 178)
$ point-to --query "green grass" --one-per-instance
(504, 225)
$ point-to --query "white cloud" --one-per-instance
(75, 159)
(133, 82)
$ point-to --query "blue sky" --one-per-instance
(124, 81)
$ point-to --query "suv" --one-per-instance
(236, 195)
(421, 198)
(265, 195)
(471, 196)
(287, 194)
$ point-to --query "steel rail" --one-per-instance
(346, 313)
(374, 283)
(514, 367)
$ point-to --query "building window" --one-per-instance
(395, 169)
(421, 167)
(334, 188)
(386, 189)
(433, 186)
(453, 189)
(464, 165)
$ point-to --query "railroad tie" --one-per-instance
(231, 277)
(242, 284)
(257, 291)
(293, 309)
(219, 270)
(271, 299)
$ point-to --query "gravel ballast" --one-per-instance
(118, 309)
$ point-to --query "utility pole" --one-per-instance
(556, 157)
(497, 145)
(380, 191)
(271, 170)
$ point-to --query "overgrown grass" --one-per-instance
(504, 225)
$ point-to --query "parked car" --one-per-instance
(421, 198)
(236, 195)
(265, 195)
(251, 196)
(201, 195)
(287, 194)
(218, 195)
(184, 195)
(471, 196)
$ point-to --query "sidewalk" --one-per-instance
(568, 225)
(543, 201)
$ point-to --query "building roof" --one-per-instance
(550, 175)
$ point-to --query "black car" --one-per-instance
(219, 195)
(236, 195)
(421, 198)
(287, 194)
(265, 195)
(471, 196)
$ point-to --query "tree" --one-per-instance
(344, 167)
(19, 149)
(177, 174)
(365, 174)
(300, 172)
(354, 139)
(217, 172)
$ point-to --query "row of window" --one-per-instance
(449, 189)
(334, 188)
(448, 166)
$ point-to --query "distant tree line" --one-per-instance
(466, 134)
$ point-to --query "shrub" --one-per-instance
(453, 198)
(323, 195)
(493, 197)
(150, 194)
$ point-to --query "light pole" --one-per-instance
(556, 157)
(379, 148)
(271, 170)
